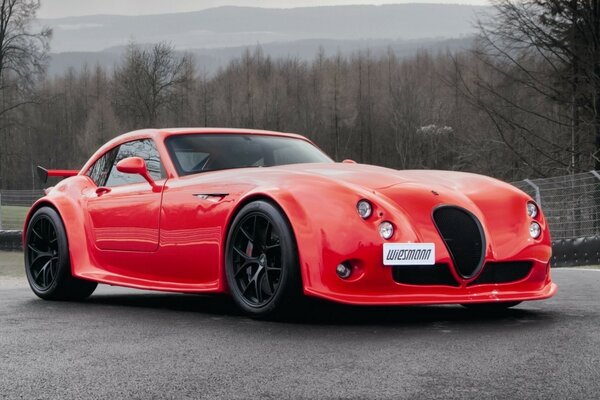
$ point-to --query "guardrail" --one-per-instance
(571, 203)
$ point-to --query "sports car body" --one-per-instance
(268, 217)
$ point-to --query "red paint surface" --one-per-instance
(174, 241)
(62, 172)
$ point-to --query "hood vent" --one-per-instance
(463, 237)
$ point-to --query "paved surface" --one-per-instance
(128, 344)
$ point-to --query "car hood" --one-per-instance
(380, 178)
(411, 195)
(357, 177)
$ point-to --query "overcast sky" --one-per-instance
(64, 8)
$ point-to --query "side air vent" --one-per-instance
(463, 237)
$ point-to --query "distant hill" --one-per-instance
(210, 59)
(216, 35)
(238, 26)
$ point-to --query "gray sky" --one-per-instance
(64, 8)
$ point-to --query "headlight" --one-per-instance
(532, 210)
(364, 209)
(386, 230)
(535, 230)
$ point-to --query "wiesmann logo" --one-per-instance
(408, 255)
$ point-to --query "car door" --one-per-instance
(123, 211)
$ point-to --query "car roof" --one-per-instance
(163, 133)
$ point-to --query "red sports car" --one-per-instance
(268, 217)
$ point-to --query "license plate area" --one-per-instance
(408, 253)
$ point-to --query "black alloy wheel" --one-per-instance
(261, 261)
(47, 261)
(42, 249)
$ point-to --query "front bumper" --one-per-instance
(470, 295)
(373, 284)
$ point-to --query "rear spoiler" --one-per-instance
(44, 173)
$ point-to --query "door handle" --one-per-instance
(102, 190)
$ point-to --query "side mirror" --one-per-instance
(348, 161)
(137, 165)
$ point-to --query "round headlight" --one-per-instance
(532, 210)
(535, 230)
(386, 230)
(364, 209)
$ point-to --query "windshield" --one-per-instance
(192, 154)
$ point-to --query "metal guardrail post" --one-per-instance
(596, 200)
(538, 198)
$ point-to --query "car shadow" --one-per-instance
(318, 312)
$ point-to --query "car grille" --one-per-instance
(464, 238)
(503, 272)
(438, 274)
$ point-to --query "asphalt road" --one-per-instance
(131, 344)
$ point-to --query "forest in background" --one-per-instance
(503, 108)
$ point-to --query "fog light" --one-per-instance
(386, 229)
(535, 230)
(343, 271)
(532, 210)
(364, 209)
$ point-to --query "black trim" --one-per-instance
(437, 275)
(42, 173)
(503, 272)
(211, 194)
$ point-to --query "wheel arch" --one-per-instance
(290, 210)
(43, 202)
(72, 222)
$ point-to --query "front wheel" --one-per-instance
(261, 261)
(47, 261)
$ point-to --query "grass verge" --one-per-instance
(13, 216)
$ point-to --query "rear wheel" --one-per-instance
(501, 305)
(47, 261)
(261, 261)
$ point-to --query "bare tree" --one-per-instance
(378, 108)
(539, 81)
(145, 83)
(23, 51)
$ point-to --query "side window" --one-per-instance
(145, 149)
(98, 172)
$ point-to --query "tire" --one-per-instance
(502, 305)
(47, 261)
(261, 262)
